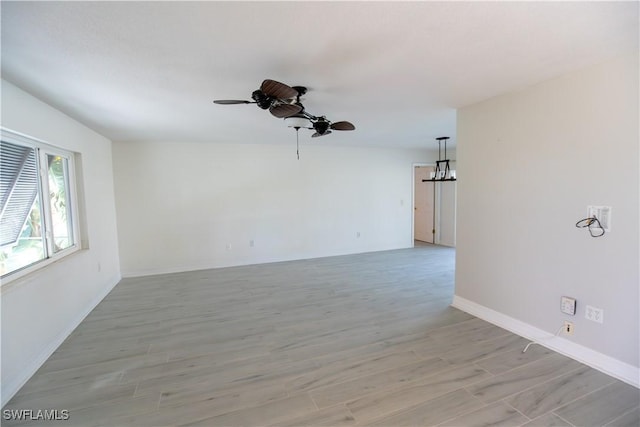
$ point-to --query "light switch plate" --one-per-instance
(568, 305)
(603, 213)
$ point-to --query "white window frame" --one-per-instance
(44, 149)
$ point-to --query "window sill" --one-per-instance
(30, 273)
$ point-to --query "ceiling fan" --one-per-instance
(283, 102)
(321, 125)
(274, 96)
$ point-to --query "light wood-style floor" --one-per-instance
(366, 339)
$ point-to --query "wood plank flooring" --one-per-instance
(367, 339)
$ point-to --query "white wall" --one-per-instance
(40, 309)
(446, 192)
(529, 163)
(180, 204)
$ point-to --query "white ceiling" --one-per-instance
(150, 70)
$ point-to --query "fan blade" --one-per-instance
(231, 101)
(278, 90)
(342, 126)
(285, 110)
(315, 135)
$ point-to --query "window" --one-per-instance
(38, 216)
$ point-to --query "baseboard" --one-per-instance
(607, 364)
(129, 274)
(11, 387)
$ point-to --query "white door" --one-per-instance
(423, 226)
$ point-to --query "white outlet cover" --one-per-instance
(594, 314)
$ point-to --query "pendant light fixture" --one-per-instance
(443, 170)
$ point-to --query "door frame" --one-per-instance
(436, 206)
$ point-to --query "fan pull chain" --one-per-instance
(297, 143)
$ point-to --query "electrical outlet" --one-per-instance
(568, 328)
(358, 234)
(594, 314)
(251, 243)
(568, 305)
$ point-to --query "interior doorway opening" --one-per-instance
(434, 208)
(424, 227)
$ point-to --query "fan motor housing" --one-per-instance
(321, 126)
(261, 99)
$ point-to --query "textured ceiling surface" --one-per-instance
(149, 71)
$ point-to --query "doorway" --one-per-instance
(423, 205)
(434, 208)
